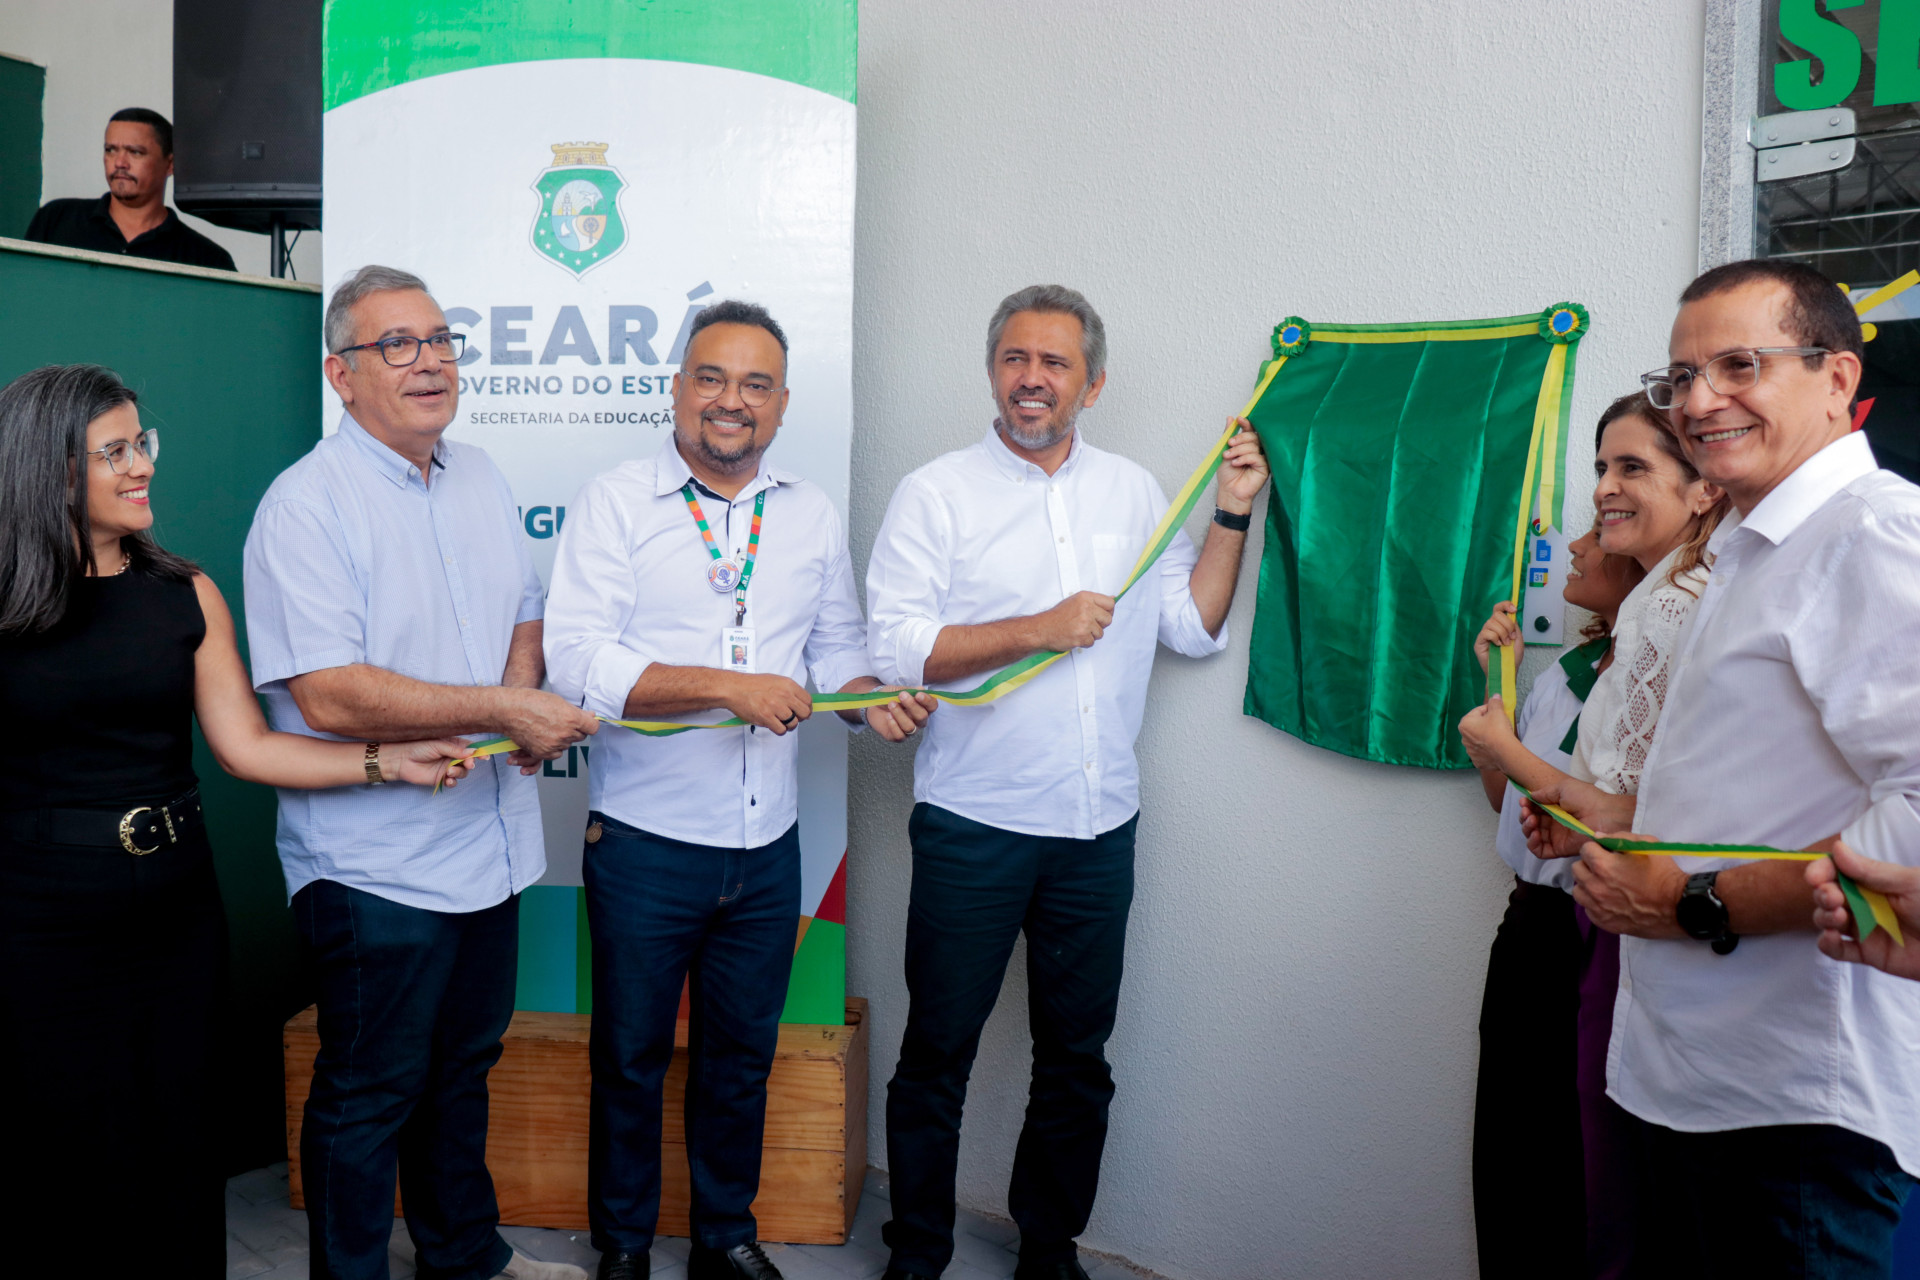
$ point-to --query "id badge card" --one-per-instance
(736, 649)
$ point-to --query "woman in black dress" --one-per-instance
(112, 938)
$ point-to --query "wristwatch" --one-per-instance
(1239, 521)
(372, 760)
(1702, 915)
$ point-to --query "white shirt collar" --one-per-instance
(671, 473)
(1013, 466)
(1807, 489)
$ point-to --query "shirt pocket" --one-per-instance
(1113, 557)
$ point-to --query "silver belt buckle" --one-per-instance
(126, 831)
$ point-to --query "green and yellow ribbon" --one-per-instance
(1561, 326)
(1870, 907)
(1500, 677)
(1009, 678)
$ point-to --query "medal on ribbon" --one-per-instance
(723, 575)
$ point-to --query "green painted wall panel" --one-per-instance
(550, 927)
(372, 46)
(229, 372)
(23, 87)
(817, 993)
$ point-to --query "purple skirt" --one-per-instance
(1604, 1127)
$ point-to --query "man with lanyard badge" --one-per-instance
(667, 602)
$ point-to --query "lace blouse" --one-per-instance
(1622, 711)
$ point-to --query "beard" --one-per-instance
(1056, 427)
(727, 461)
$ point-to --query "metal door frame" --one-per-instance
(1729, 99)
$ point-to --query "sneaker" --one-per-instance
(521, 1267)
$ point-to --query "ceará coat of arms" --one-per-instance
(579, 224)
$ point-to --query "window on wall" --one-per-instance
(1859, 224)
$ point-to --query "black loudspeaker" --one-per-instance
(246, 112)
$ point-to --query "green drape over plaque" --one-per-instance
(1407, 460)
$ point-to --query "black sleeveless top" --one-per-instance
(98, 711)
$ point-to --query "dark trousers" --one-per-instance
(111, 974)
(1541, 1117)
(975, 888)
(1784, 1202)
(1528, 1209)
(663, 912)
(412, 1007)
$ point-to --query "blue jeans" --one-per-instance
(975, 889)
(412, 1007)
(1783, 1202)
(664, 912)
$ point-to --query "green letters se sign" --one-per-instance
(1896, 76)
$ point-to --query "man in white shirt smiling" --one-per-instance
(699, 580)
(1027, 806)
(1778, 1091)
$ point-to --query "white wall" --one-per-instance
(1296, 1045)
(100, 56)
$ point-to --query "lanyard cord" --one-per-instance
(753, 545)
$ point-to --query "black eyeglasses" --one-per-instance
(401, 352)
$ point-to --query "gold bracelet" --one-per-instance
(372, 761)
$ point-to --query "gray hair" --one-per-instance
(363, 283)
(1064, 301)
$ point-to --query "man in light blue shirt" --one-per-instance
(387, 586)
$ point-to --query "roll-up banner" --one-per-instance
(575, 181)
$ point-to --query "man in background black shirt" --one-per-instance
(133, 217)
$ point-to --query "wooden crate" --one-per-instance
(816, 1138)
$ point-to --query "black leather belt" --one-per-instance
(141, 830)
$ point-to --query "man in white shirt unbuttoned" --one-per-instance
(1027, 806)
(1779, 1092)
(700, 580)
